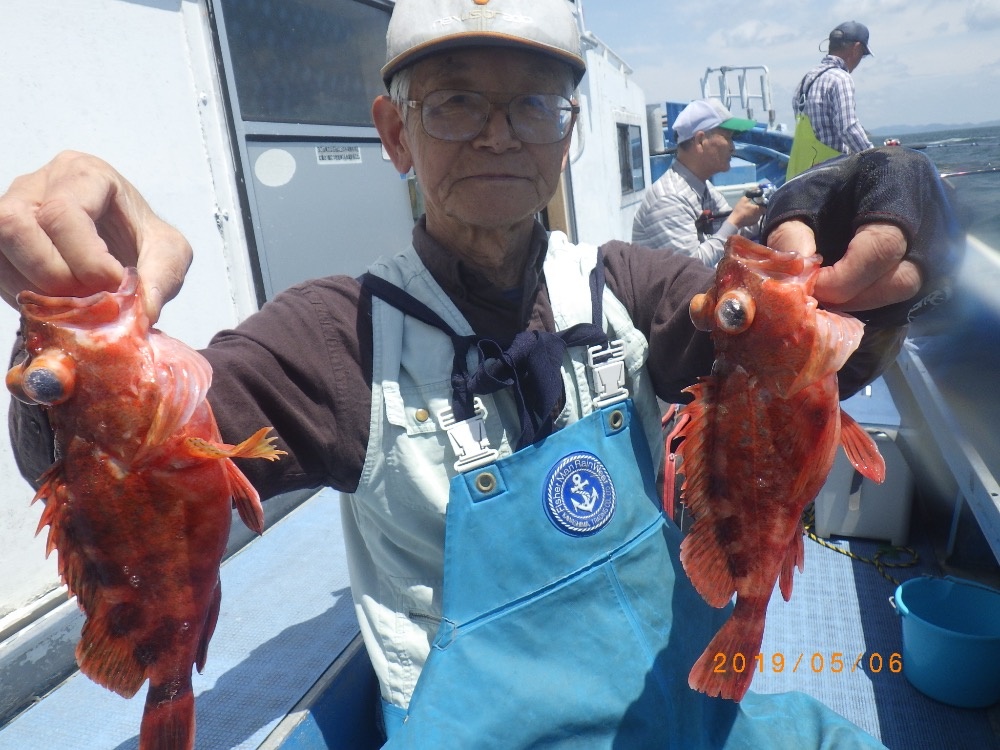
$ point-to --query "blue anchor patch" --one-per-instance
(579, 495)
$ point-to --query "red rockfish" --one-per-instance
(139, 500)
(761, 436)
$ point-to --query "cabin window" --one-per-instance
(304, 61)
(630, 158)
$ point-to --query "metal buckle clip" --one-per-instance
(607, 373)
(468, 438)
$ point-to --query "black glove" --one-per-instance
(894, 185)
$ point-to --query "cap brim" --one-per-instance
(738, 124)
(479, 40)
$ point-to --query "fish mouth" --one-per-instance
(785, 265)
(98, 308)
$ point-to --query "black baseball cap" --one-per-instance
(851, 31)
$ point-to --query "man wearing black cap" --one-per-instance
(826, 93)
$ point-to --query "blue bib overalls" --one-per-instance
(567, 620)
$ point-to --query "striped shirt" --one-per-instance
(669, 213)
(829, 104)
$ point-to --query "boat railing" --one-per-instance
(740, 87)
(940, 383)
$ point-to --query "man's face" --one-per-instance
(494, 180)
(718, 148)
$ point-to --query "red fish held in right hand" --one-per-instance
(761, 436)
(139, 501)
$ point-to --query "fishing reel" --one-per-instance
(762, 193)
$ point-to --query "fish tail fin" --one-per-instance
(706, 565)
(794, 558)
(861, 449)
(726, 666)
(168, 718)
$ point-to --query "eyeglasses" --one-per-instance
(461, 115)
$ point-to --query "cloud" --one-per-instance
(754, 34)
(983, 15)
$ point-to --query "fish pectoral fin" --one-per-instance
(183, 376)
(257, 445)
(861, 449)
(246, 499)
(837, 335)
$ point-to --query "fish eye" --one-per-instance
(735, 312)
(49, 378)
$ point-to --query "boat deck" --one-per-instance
(840, 605)
(287, 614)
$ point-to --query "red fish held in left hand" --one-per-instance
(139, 500)
(762, 434)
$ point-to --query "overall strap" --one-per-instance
(800, 103)
(531, 366)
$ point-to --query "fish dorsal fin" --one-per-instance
(861, 449)
(183, 376)
(837, 336)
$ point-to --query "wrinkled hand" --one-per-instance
(70, 229)
(873, 272)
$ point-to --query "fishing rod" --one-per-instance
(983, 170)
(759, 195)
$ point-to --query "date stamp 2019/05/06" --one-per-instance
(834, 662)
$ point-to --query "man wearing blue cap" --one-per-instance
(682, 210)
(825, 95)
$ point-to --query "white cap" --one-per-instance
(419, 28)
(705, 114)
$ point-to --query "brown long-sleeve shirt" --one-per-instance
(302, 364)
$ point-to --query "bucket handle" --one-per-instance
(901, 609)
(898, 607)
(974, 584)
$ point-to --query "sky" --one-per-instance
(934, 61)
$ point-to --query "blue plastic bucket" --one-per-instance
(951, 639)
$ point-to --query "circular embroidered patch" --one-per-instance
(579, 496)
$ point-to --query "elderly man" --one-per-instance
(496, 613)
(682, 210)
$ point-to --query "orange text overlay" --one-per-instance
(835, 662)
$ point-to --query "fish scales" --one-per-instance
(758, 440)
(139, 500)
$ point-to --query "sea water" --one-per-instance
(976, 196)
